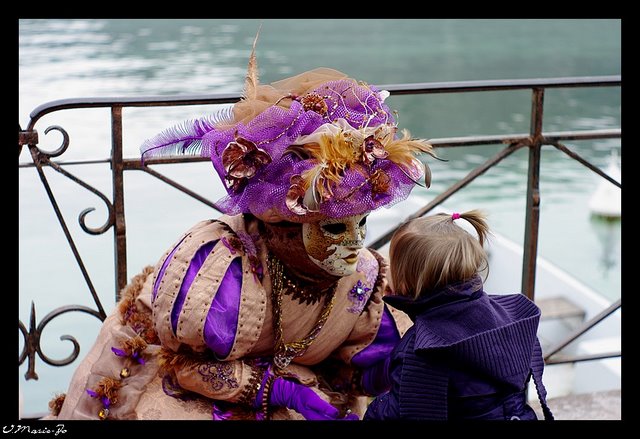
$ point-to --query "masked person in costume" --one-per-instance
(273, 310)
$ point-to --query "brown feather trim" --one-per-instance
(139, 320)
(135, 344)
(169, 360)
(108, 387)
(55, 405)
(402, 150)
(132, 290)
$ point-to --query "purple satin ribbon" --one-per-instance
(220, 415)
(135, 356)
(105, 401)
(222, 319)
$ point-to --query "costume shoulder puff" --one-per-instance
(214, 258)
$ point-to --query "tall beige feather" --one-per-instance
(251, 80)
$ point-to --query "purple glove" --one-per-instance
(298, 397)
(301, 399)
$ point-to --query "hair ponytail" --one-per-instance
(477, 219)
(431, 252)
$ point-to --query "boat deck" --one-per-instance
(604, 405)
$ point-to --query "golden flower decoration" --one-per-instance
(241, 160)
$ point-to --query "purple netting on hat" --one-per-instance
(360, 106)
(354, 196)
(365, 199)
(276, 128)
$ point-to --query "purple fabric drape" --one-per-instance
(194, 266)
(222, 320)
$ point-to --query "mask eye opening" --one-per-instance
(335, 228)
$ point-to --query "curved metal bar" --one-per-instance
(34, 153)
(110, 219)
(76, 346)
(453, 189)
(65, 361)
(88, 229)
(62, 148)
(33, 336)
(579, 159)
(25, 334)
(148, 101)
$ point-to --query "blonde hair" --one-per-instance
(431, 252)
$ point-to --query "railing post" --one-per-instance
(119, 231)
(533, 196)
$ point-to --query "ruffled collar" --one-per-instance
(463, 291)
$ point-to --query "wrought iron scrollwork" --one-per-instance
(62, 148)
(98, 230)
(32, 338)
(42, 157)
(111, 218)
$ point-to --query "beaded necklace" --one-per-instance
(285, 352)
(298, 290)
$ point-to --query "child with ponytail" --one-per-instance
(469, 354)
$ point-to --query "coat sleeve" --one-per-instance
(387, 405)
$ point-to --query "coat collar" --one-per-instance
(463, 312)
(457, 292)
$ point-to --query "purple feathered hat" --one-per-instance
(313, 146)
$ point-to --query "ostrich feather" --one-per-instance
(184, 138)
(251, 79)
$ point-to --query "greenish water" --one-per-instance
(98, 57)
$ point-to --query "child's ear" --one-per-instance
(388, 288)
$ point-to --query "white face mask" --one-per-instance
(335, 244)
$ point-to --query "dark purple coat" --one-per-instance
(468, 355)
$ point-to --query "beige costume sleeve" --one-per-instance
(185, 353)
(234, 381)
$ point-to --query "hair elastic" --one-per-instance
(455, 216)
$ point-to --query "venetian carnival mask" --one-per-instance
(334, 244)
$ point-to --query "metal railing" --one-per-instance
(534, 140)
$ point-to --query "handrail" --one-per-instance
(393, 89)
